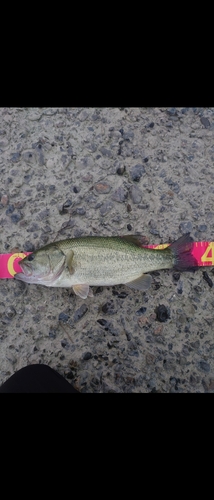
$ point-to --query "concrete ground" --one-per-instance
(70, 172)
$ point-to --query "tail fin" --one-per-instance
(182, 251)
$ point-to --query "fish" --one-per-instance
(103, 261)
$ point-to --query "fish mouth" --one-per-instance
(26, 269)
(22, 277)
(25, 275)
(28, 277)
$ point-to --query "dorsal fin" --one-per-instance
(135, 239)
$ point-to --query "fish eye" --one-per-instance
(31, 257)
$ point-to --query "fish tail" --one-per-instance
(182, 252)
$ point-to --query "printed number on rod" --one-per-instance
(209, 250)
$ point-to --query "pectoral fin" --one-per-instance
(69, 259)
(83, 291)
(142, 283)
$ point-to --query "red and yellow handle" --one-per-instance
(9, 264)
(203, 252)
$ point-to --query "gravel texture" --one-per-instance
(84, 171)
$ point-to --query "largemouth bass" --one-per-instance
(101, 261)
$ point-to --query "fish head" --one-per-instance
(43, 266)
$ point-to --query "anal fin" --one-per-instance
(141, 283)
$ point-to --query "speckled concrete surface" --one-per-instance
(112, 171)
